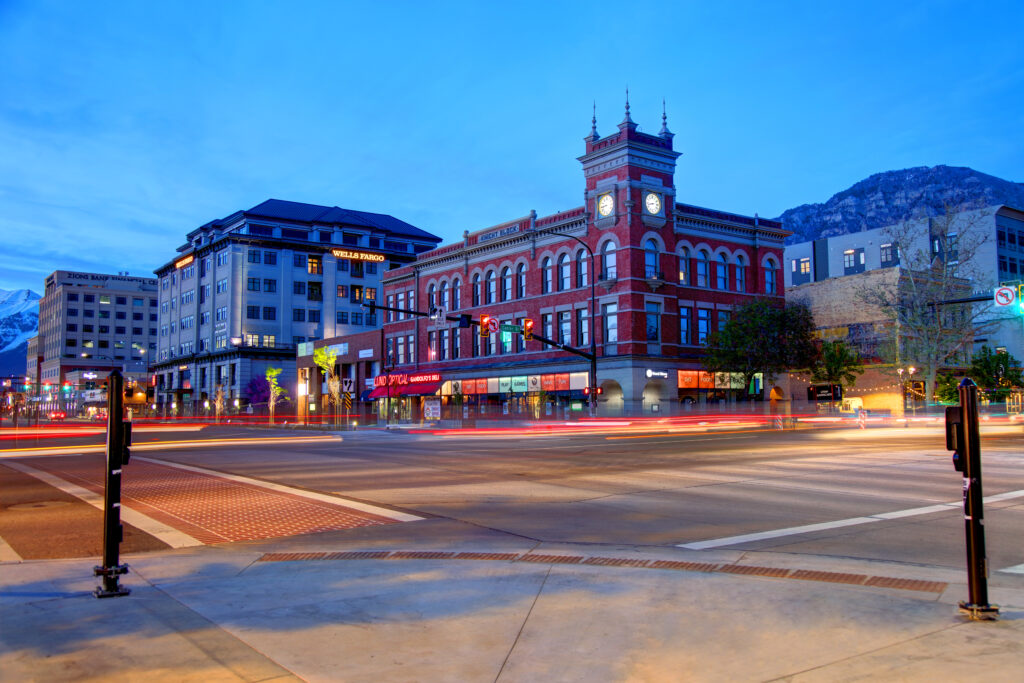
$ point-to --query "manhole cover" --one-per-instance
(39, 504)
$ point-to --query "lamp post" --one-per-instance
(592, 276)
(903, 389)
(913, 399)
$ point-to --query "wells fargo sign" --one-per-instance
(358, 255)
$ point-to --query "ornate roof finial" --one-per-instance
(593, 124)
(627, 119)
(665, 132)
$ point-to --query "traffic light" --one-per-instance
(955, 436)
(597, 392)
(485, 322)
(527, 329)
(67, 387)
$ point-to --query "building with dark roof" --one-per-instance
(245, 290)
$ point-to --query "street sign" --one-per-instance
(1004, 296)
(511, 328)
(493, 325)
(347, 384)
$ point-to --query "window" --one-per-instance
(582, 327)
(343, 264)
(121, 301)
(269, 341)
(492, 287)
(72, 312)
(254, 256)
(442, 351)
(299, 260)
(313, 315)
(565, 327)
(546, 326)
(653, 314)
(254, 283)
(270, 258)
(741, 274)
(769, 277)
(608, 261)
(252, 339)
(222, 286)
(121, 315)
(455, 344)
(314, 265)
(802, 270)
(703, 265)
(610, 323)
(341, 317)
(343, 292)
(722, 279)
(431, 297)
(298, 315)
(298, 288)
(269, 285)
(703, 325)
(72, 327)
(252, 312)
(651, 270)
(853, 261)
(401, 306)
(444, 296)
(506, 284)
(73, 296)
(581, 268)
(456, 294)
(316, 291)
(684, 325)
(221, 314)
(269, 313)
(370, 293)
(546, 276)
(204, 318)
(222, 258)
(889, 255)
(476, 289)
(564, 273)
(89, 313)
(723, 319)
(521, 281)
(355, 294)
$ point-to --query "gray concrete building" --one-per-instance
(244, 291)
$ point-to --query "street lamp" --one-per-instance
(593, 313)
(913, 399)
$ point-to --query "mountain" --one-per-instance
(895, 196)
(19, 320)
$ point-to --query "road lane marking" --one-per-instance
(167, 534)
(1016, 569)
(165, 445)
(839, 523)
(312, 495)
(7, 553)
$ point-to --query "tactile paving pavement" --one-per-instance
(213, 509)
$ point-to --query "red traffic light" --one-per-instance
(598, 391)
(485, 322)
(527, 329)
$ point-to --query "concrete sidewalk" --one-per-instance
(438, 600)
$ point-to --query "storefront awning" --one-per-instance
(419, 388)
(381, 392)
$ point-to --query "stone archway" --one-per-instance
(611, 400)
(654, 395)
(777, 394)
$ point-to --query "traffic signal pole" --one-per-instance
(962, 437)
(118, 440)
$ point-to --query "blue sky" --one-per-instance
(125, 125)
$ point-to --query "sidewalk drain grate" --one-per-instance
(748, 570)
(753, 570)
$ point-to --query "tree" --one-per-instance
(326, 359)
(218, 401)
(275, 392)
(837, 363)
(995, 373)
(762, 336)
(938, 261)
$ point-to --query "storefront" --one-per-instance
(699, 386)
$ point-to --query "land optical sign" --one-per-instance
(358, 255)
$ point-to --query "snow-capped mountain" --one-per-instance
(19, 320)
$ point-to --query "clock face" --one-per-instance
(605, 205)
(653, 203)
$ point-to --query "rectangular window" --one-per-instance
(355, 293)
(121, 301)
(270, 258)
(343, 265)
(313, 315)
(252, 312)
(269, 313)
(222, 286)
(314, 265)
(254, 284)
(104, 298)
(547, 325)
(653, 312)
(299, 260)
(565, 327)
(121, 315)
(254, 256)
(401, 305)
(684, 325)
(342, 291)
(723, 319)
(342, 317)
(222, 257)
(298, 288)
(703, 325)
(269, 285)
(370, 293)
(316, 291)
(610, 318)
(582, 327)
(269, 341)
(299, 315)
(357, 269)
(73, 296)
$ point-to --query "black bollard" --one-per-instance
(113, 532)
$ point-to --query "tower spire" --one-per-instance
(665, 132)
(593, 125)
(627, 122)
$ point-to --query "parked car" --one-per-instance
(57, 415)
(101, 415)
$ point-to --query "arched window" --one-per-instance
(431, 297)
(521, 281)
(444, 297)
(506, 284)
(684, 267)
(456, 294)
(769, 277)
(476, 289)
(703, 264)
(651, 260)
(581, 268)
(564, 273)
(492, 287)
(546, 275)
(608, 261)
(741, 274)
(723, 272)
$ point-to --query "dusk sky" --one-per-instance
(125, 125)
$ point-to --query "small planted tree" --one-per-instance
(326, 359)
(996, 373)
(837, 363)
(218, 402)
(275, 390)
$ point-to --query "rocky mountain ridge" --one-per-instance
(892, 197)
(19, 320)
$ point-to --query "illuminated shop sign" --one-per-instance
(185, 261)
(657, 373)
(403, 379)
(358, 255)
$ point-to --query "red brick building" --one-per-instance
(667, 274)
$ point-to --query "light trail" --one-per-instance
(166, 445)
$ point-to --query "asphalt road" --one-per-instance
(886, 494)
